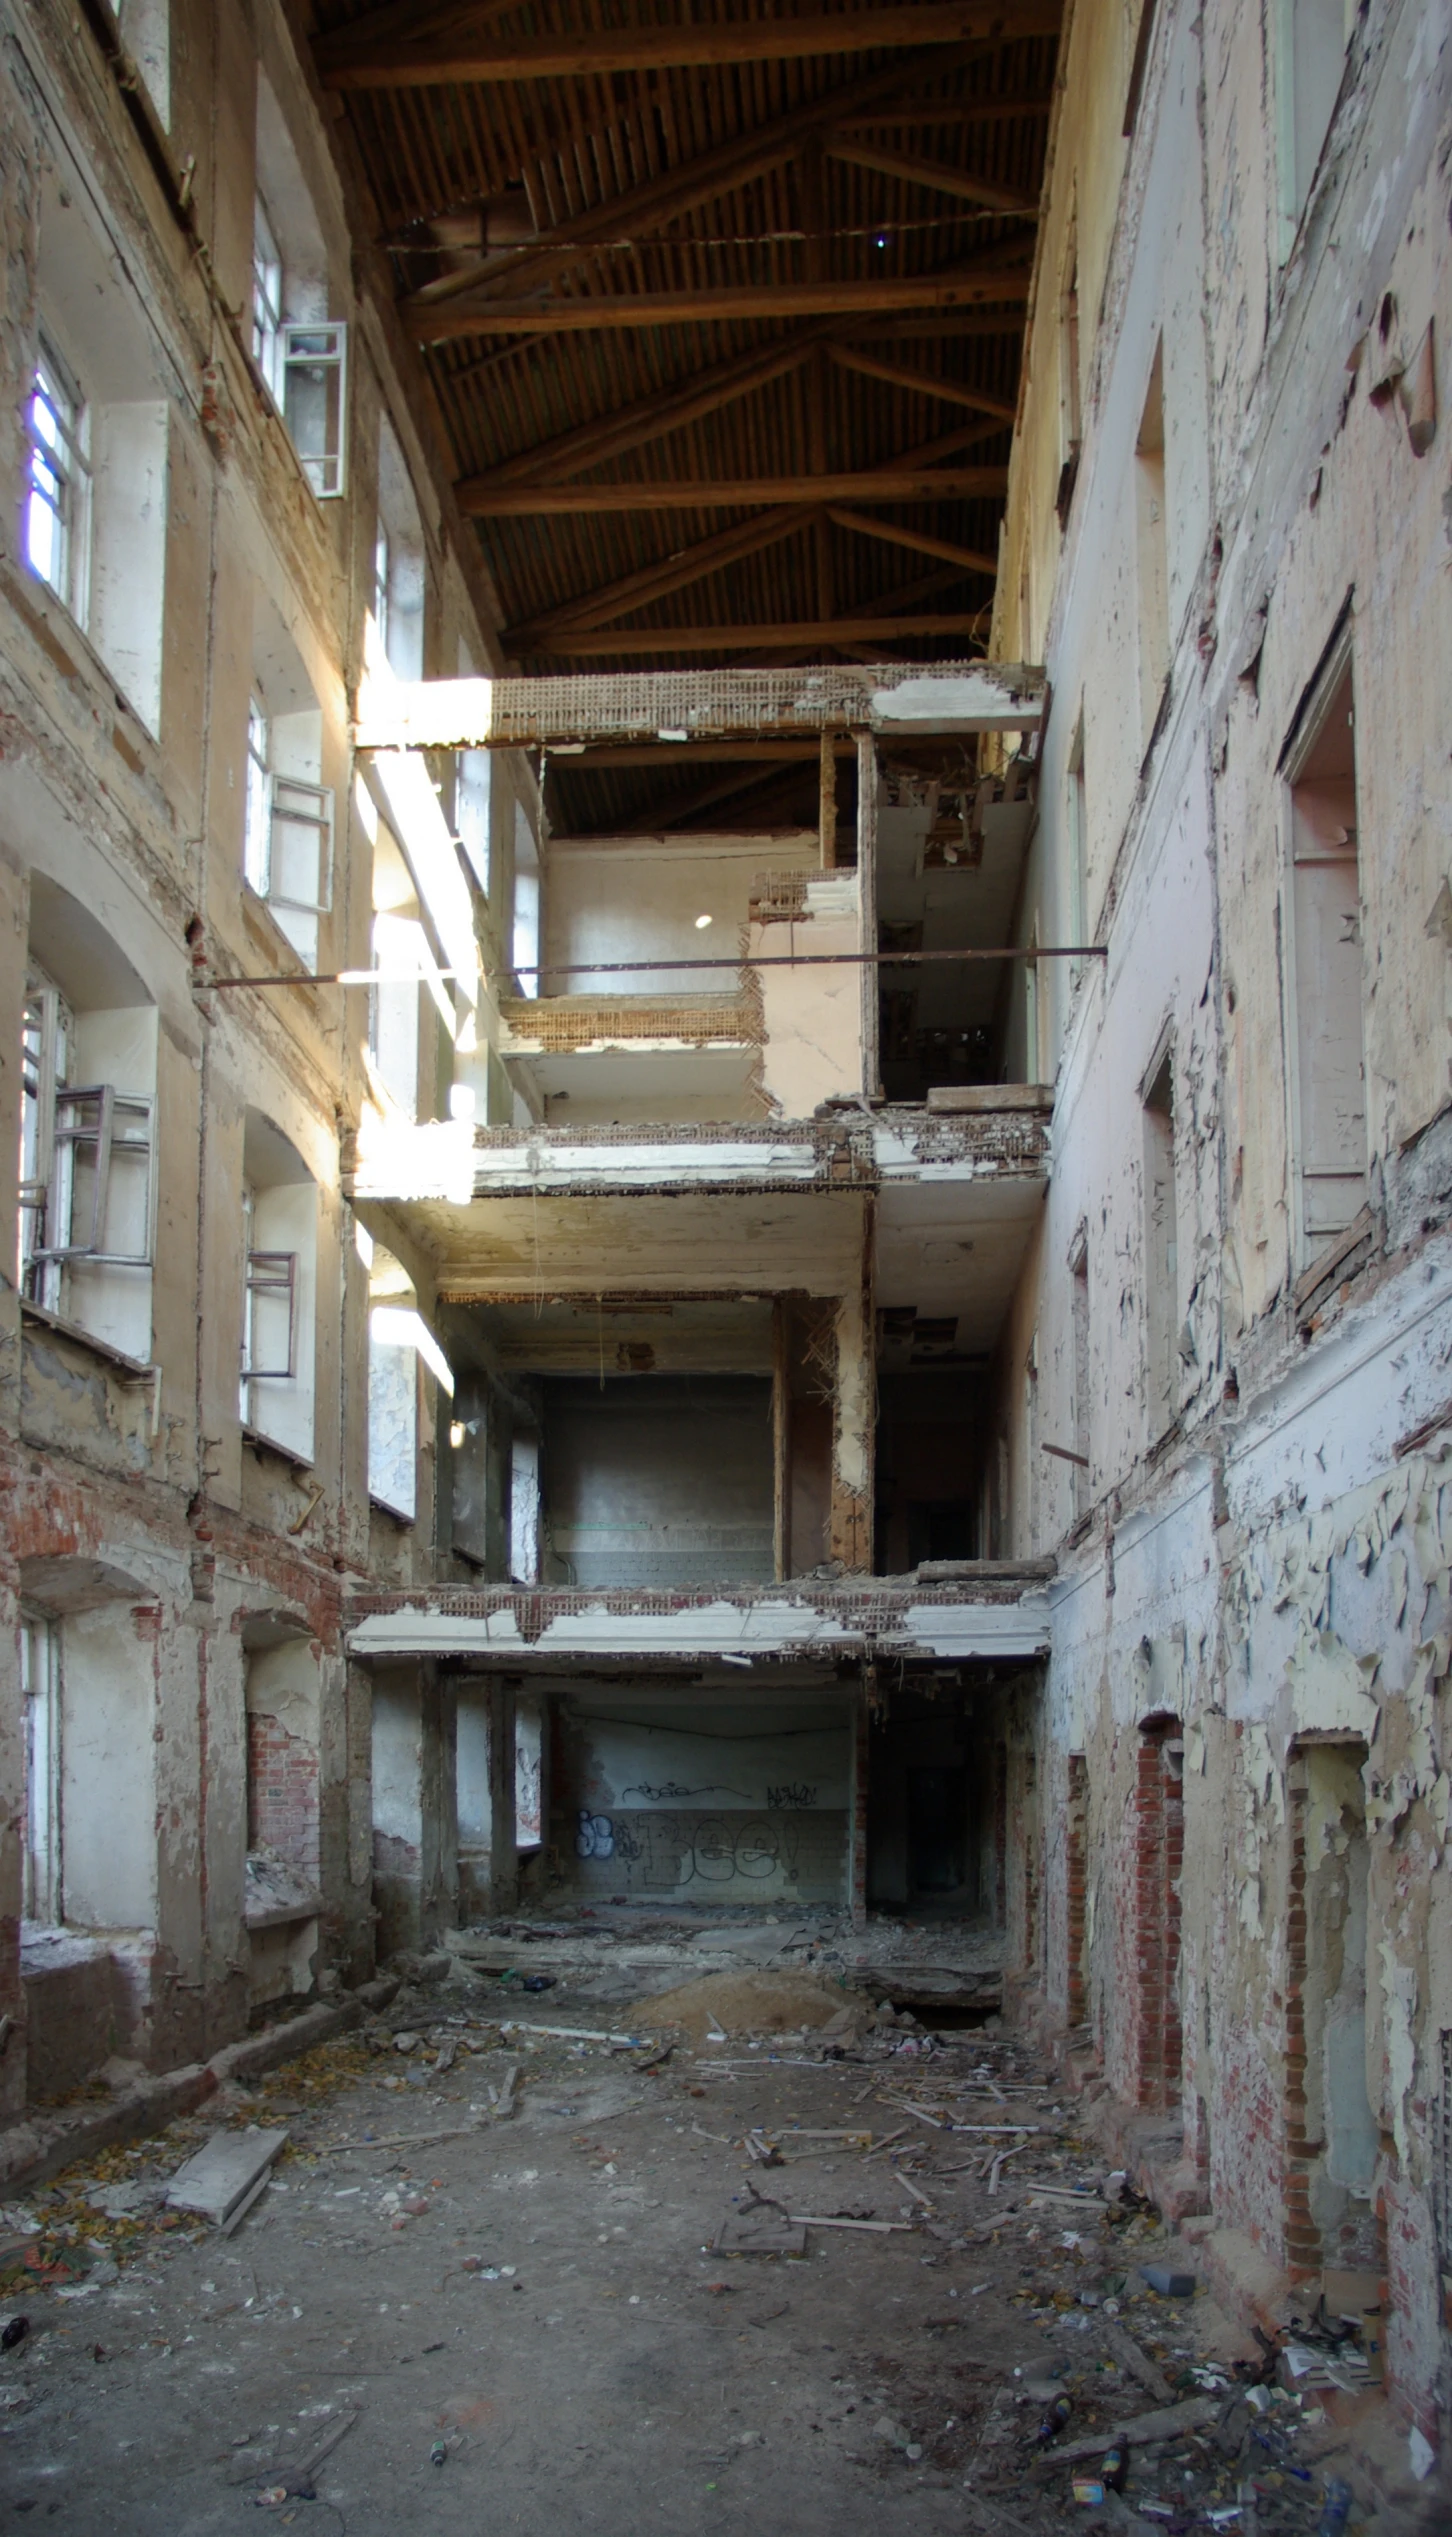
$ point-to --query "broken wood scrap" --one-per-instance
(995, 2164)
(1196, 2414)
(1139, 2365)
(504, 2102)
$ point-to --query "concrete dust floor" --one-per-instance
(516, 2322)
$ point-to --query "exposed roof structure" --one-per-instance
(723, 309)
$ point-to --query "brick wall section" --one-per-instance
(1159, 1841)
(1302, 2248)
(282, 1793)
(1076, 1997)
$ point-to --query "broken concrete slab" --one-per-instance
(759, 2233)
(225, 2172)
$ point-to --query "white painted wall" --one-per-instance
(108, 1786)
(608, 903)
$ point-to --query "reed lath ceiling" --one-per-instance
(723, 307)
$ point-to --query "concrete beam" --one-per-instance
(894, 697)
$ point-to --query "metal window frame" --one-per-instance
(316, 344)
(55, 383)
(266, 304)
(270, 1273)
(258, 719)
(314, 808)
(34, 1194)
(101, 1131)
(41, 1689)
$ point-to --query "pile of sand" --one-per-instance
(746, 2004)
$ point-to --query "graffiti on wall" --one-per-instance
(666, 1851)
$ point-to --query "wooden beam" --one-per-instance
(731, 638)
(952, 118)
(997, 279)
(435, 55)
(649, 418)
(890, 534)
(658, 581)
(642, 209)
(938, 179)
(558, 502)
(922, 383)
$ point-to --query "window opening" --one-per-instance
(60, 476)
(1078, 811)
(257, 840)
(269, 1310)
(1151, 559)
(1327, 1052)
(40, 1699)
(312, 362)
(1161, 1250)
(266, 295)
(1079, 1307)
(1314, 35)
(85, 1159)
(525, 952)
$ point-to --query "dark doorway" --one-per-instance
(937, 1830)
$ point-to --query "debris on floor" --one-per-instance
(884, 2330)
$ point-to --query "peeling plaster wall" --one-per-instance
(1262, 1588)
(122, 1455)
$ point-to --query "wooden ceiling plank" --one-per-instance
(889, 534)
(685, 187)
(647, 419)
(670, 639)
(886, 484)
(660, 581)
(937, 178)
(922, 382)
(432, 56)
(1002, 279)
(951, 118)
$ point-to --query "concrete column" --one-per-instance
(859, 1729)
(415, 1817)
(854, 1413)
(503, 1856)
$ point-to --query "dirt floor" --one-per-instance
(501, 2303)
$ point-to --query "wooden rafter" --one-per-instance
(997, 277)
(661, 581)
(642, 209)
(1004, 199)
(437, 53)
(921, 382)
(889, 534)
(519, 502)
(649, 418)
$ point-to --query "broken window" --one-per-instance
(40, 1697)
(1151, 558)
(1313, 36)
(97, 423)
(1161, 1251)
(398, 560)
(146, 33)
(279, 1290)
(301, 352)
(1327, 1063)
(526, 903)
(58, 505)
(288, 816)
(86, 1161)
